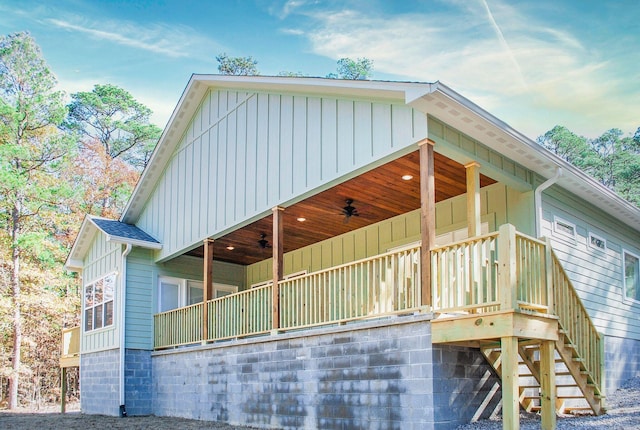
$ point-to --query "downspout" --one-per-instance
(538, 199)
(123, 293)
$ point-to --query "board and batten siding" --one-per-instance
(246, 152)
(496, 203)
(142, 289)
(103, 258)
(596, 274)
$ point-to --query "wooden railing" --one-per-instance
(531, 269)
(576, 323)
(494, 272)
(180, 326)
(465, 275)
(385, 284)
(245, 313)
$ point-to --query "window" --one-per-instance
(176, 292)
(98, 303)
(631, 276)
(597, 242)
(564, 228)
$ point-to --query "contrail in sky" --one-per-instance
(505, 44)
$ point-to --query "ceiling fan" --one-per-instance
(349, 210)
(263, 243)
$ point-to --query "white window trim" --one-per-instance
(624, 280)
(183, 289)
(561, 233)
(592, 246)
(113, 300)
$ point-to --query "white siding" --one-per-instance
(596, 274)
(245, 153)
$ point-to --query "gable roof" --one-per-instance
(435, 99)
(115, 231)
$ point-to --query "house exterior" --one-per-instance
(318, 253)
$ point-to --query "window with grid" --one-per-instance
(98, 303)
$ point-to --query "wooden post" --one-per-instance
(548, 384)
(473, 198)
(507, 280)
(548, 255)
(278, 249)
(63, 394)
(207, 288)
(427, 218)
(510, 388)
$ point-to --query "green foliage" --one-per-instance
(34, 155)
(245, 66)
(611, 158)
(359, 69)
(110, 115)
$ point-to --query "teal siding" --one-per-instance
(142, 288)
(246, 152)
(102, 259)
(597, 274)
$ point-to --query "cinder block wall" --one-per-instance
(371, 375)
(138, 382)
(99, 383)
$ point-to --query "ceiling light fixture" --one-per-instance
(301, 219)
(407, 177)
(231, 248)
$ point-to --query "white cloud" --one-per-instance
(495, 57)
(170, 41)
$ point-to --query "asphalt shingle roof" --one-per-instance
(120, 229)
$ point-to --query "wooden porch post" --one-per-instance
(510, 388)
(427, 217)
(207, 288)
(278, 231)
(63, 394)
(507, 280)
(473, 198)
(548, 384)
(551, 306)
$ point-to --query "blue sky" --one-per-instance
(533, 64)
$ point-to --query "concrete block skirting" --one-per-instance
(99, 383)
(382, 374)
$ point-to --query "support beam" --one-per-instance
(207, 288)
(548, 384)
(473, 198)
(510, 388)
(63, 394)
(427, 217)
(278, 265)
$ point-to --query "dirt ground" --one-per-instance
(51, 418)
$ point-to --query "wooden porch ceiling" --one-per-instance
(378, 194)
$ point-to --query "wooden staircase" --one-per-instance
(576, 389)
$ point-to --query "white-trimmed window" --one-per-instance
(631, 282)
(98, 303)
(597, 242)
(176, 292)
(564, 228)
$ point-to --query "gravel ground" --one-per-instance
(623, 413)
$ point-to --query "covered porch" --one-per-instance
(503, 292)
